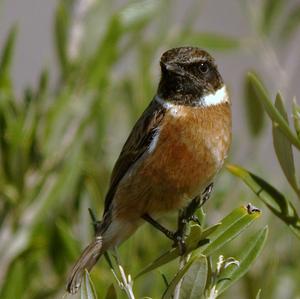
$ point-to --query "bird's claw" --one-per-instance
(195, 219)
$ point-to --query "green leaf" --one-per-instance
(180, 274)
(137, 13)
(291, 23)
(212, 41)
(193, 241)
(6, 58)
(71, 248)
(194, 281)
(258, 294)
(231, 226)
(43, 84)
(111, 293)
(14, 284)
(87, 290)
(273, 113)
(61, 36)
(209, 230)
(283, 148)
(7, 53)
(273, 199)
(133, 17)
(296, 117)
(106, 55)
(248, 255)
(254, 109)
(165, 279)
(219, 235)
(271, 10)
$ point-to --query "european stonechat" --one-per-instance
(172, 154)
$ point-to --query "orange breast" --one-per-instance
(191, 147)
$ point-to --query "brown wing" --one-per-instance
(134, 147)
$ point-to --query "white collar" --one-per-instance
(219, 97)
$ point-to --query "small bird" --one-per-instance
(171, 156)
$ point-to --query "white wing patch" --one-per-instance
(154, 140)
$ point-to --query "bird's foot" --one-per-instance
(194, 219)
(179, 242)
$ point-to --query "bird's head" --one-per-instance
(188, 75)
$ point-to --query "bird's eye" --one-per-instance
(204, 68)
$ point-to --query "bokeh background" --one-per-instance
(80, 73)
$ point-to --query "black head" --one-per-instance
(187, 75)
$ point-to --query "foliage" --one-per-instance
(283, 139)
(57, 151)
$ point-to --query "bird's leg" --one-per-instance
(188, 214)
(181, 231)
(169, 234)
(196, 203)
(176, 237)
(206, 194)
(185, 215)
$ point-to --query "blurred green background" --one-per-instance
(74, 77)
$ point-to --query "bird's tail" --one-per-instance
(86, 261)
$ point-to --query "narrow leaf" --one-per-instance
(61, 36)
(193, 241)
(248, 255)
(283, 147)
(254, 109)
(209, 230)
(106, 55)
(14, 284)
(170, 290)
(271, 110)
(194, 281)
(212, 41)
(258, 294)
(71, 248)
(6, 59)
(296, 117)
(274, 200)
(291, 23)
(231, 226)
(138, 13)
(7, 53)
(43, 84)
(87, 290)
(271, 11)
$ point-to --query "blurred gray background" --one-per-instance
(35, 51)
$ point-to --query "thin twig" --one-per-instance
(183, 260)
(126, 282)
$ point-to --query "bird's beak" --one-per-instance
(174, 68)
